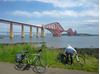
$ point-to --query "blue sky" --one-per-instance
(80, 15)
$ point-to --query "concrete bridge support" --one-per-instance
(42, 31)
(37, 32)
(22, 31)
(30, 31)
(11, 30)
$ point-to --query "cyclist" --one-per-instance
(69, 52)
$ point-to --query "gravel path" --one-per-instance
(6, 68)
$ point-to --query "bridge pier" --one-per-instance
(30, 31)
(11, 30)
(37, 32)
(22, 31)
(42, 31)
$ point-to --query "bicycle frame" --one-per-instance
(32, 58)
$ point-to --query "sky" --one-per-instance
(80, 15)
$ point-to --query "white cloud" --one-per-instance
(67, 3)
(71, 3)
(91, 13)
(26, 13)
(56, 13)
(91, 8)
(93, 20)
(17, 0)
(60, 3)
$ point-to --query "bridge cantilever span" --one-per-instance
(70, 32)
(55, 28)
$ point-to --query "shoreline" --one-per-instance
(40, 43)
(14, 43)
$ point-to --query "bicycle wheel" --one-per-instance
(19, 66)
(81, 60)
(39, 67)
(61, 58)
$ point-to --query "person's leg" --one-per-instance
(71, 58)
(67, 58)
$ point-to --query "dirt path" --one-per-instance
(6, 68)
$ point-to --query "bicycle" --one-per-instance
(25, 61)
(61, 58)
(81, 61)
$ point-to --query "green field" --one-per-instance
(8, 52)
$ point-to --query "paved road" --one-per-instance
(6, 68)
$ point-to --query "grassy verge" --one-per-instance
(8, 52)
(91, 65)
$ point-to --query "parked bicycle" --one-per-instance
(61, 58)
(26, 60)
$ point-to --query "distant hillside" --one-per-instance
(82, 34)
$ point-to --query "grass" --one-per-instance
(8, 52)
(91, 65)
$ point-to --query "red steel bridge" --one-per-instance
(55, 28)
